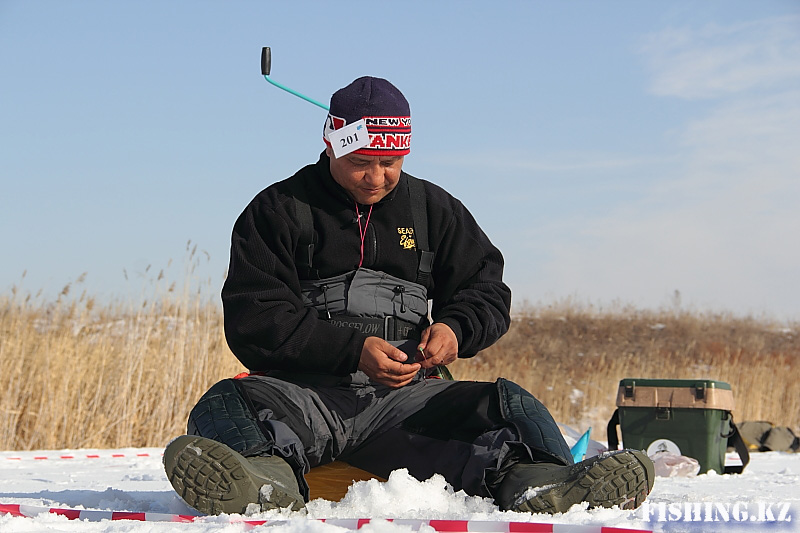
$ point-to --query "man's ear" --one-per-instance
(329, 151)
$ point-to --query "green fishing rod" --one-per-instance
(266, 65)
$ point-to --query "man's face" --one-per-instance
(366, 178)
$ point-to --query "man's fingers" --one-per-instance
(396, 353)
(423, 341)
(431, 348)
(393, 351)
(387, 364)
(441, 346)
(399, 376)
(403, 371)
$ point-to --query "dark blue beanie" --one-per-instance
(382, 106)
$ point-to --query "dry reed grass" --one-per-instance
(79, 374)
(572, 358)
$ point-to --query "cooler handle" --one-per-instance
(611, 430)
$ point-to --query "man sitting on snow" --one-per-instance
(326, 303)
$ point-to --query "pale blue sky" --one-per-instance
(614, 151)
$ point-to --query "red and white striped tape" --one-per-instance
(77, 456)
(445, 526)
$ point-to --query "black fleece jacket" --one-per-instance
(268, 328)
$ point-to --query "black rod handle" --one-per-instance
(266, 60)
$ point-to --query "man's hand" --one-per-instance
(383, 363)
(440, 345)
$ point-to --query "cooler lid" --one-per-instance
(676, 393)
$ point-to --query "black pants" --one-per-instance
(469, 432)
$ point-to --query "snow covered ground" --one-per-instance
(765, 498)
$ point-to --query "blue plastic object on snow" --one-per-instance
(579, 450)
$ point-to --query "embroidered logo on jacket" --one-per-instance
(407, 240)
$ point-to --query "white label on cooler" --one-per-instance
(663, 445)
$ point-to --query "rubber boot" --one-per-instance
(214, 479)
(622, 478)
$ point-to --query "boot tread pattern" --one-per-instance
(620, 479)
(209, 478)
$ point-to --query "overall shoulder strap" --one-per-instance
(304, 253)
(419, 214)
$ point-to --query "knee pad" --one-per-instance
(536, 426)
(225, 414)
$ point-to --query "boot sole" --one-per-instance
(215, 479)
(624, 479)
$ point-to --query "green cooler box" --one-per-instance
(690, 417)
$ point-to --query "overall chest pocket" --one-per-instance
(377, 294)
(366, 293)
(328, 296)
